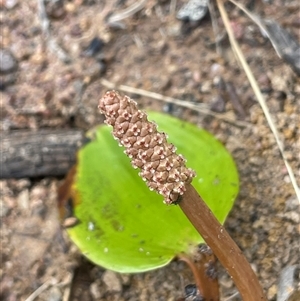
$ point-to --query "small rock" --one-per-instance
(226, 282)
(112, 281)
(292, 204)
(272, 291)
(7, 80)
(289, 109)
(174, 29)
(168, 108)
(216, 70)
(55, 8)
(125, 279)
(206, 87)
(288, 133)
(23, 199)
(293, 216)
(238, 29)
(94, 47)
(218, 104)
(287, 286)
(8, 63)
(9, 4)
(258, 161)
(93, 72)
(4, 209)
(70, 7)
(95, 289)
(264, 83)
(194, 10)
(191, 290)
(54, 294)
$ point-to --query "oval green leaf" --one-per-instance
(125, 227)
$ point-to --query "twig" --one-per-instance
(257, 93)
(222, 245)
(51, 43)
(173, 4)
(215, 26)
(286, 47)
(237, 106)
(131, 10)
(179, 102)
(39, 290)
(232, 296)
(44, 18)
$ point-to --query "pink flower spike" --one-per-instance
(161, 168)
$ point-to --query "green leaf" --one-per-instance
(125, 227)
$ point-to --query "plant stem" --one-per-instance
(222, 245)
(202, 263)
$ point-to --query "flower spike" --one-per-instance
(161, 168)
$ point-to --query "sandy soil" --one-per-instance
(53, 79)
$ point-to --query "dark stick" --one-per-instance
(39, 153)
(222, 245)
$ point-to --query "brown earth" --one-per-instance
(52, 79)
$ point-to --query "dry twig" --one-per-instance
(186, 104)
(51, 42)
(39, 290)
(257, 93)
(126, 13)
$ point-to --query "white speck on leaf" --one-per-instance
(216, 181)
(91, 226)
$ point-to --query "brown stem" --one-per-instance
(202, 264)
(222, 245)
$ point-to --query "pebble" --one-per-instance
(289, 109)
(8, 63)
(55, 9)
(95, 289)
(226, 282)
(23, 199)
(4, 209)
(288, 133)
(272, 291)
(218, 104)
(258, 161)
(292, 204)
(174, 29)
(288, 284)
(292, 216)
(264, 83)
(193, 10)
(206, 87)
(70, 7)
(7, 80)
(94, 47)
(112, 281)
(54, 294)
(9, 4)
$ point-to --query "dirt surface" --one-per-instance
(52, 77)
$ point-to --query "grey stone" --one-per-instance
(8, 63)
(112, 281)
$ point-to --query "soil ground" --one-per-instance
(54, 80)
